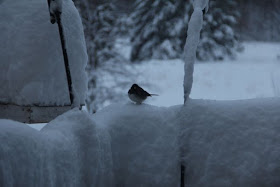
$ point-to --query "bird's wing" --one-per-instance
(141, 92)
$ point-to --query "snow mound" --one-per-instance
(144, 144)
(70, 151)
(222, 143)
(32, 67)
(135, 146)
(231, 143)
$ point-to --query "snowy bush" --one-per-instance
(101, 21)
(108, 84)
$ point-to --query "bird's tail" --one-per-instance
(154, 95)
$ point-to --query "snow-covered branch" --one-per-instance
(194, 28)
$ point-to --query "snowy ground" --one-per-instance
(223, 143)
(249, 76)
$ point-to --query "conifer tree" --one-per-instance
(160, 29)
(218, 37)
(99, 21)
(157, 28)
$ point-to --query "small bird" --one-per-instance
(138, 94)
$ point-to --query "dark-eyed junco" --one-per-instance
(138, 94)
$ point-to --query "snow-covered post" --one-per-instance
(194, 28)
(55, 8)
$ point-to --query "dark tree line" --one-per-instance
(259, 20)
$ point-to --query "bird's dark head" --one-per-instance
(134, 86)
(133, 89)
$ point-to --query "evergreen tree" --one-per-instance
(104, 55)
(99, 20)
(218, 38)
(160, 29)
(158, 26)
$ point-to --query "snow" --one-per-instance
(144, 144)
(223, 143)
(231, 143)
(70, 151)
(247, 77)
(32, 68)
(255, 73)
(200, 4)
(194, 28)
(136, 146)
(55, 6)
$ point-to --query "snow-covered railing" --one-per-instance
(224, 143)
(40, 76)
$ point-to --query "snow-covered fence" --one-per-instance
(77, 149)
(225, 143)
(231, 143)
(33, 80)
(72, 150)
(194, 28)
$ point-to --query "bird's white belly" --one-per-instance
(134, 98)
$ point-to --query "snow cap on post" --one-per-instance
(189, 56)
(201, 4)
(55, 8)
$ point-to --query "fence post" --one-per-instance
(189, 56)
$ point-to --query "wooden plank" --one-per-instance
(31, 114)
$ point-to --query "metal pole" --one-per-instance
(65, 56)
(55, 16)
(182, 175)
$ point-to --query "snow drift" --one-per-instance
(231, 143)
(69, 151)
(144, 144)
(75, 149)
(222, 143)
(32, 68)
